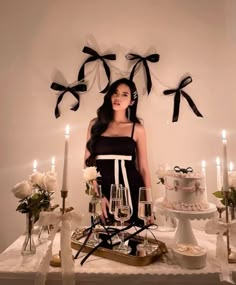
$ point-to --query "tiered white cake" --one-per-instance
(185, 191)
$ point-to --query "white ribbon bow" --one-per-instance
(68, 221)
(215, 226)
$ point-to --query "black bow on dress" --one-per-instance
(73, 90)
(152, 58)
(178, 92)
(95, 56)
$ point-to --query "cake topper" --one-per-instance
(183, 170)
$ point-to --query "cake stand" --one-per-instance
(184, 233)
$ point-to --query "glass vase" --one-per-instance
(28, 247)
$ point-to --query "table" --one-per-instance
(18, 270)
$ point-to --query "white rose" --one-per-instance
(90, 173)
(36, 178)
(162, 171)
(50, 182)
(22, 190)
(232, 179)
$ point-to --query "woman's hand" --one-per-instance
(105, 206)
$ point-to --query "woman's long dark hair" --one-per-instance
(105, 115)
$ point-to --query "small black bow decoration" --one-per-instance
(73, 90)
(94, 56)
(183, 170)
(152, 58)
(178, 92)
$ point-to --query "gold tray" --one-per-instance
(120, 257)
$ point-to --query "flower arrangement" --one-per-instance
(90, 175)
(35, 193)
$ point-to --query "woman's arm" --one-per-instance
(105, 202)
(142, 160)
(87, 153)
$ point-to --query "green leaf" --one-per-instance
(218, 194)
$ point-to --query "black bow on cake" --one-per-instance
(183, 170)
(73, 90)
(178, 92)
(152, 58)
(94, 56)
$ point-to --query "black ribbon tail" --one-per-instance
(57, 112)
(176, 106)
(191, 104)
(148, 76)
(76, 106)
(81, 74)
(131, 77)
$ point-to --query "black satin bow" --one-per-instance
(73, 90)
(178, 92)
(152, 58)
(183, 170)
(95, 56)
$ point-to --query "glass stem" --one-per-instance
(145, 242)
(122, 234)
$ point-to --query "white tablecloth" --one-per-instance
(16, 269)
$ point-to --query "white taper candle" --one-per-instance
(225, 164)
(65, 169)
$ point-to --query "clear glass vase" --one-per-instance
(28, 247)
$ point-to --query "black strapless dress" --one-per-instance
(121, 146)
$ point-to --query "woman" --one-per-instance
(116, 145)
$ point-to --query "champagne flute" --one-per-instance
(95, 209)
(114, 197)
(145, 212)
(122, 214)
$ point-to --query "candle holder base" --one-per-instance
(232, 257)
(56, 260)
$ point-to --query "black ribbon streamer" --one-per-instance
(73, 90)
(183, 170)
(110, 233)
(178, 92)
(152, 58)
(95, 56)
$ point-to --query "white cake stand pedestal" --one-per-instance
(184, 233)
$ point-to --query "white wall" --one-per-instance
(42, 41)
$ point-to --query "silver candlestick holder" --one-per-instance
(231, 253)
(56, 258)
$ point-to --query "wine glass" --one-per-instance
(145, 212)
(122, 214)
(95, 209)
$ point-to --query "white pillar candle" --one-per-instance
(53, 164)
(218, 174)
(65, 168)
(225, 168)
(35, 166)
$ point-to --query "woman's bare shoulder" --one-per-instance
(92, 122)
(139, 128)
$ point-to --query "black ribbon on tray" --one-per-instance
(94, 56)
(110, 232)
(178, 92)
(183, 170)
(72, 89)
(152, 58)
